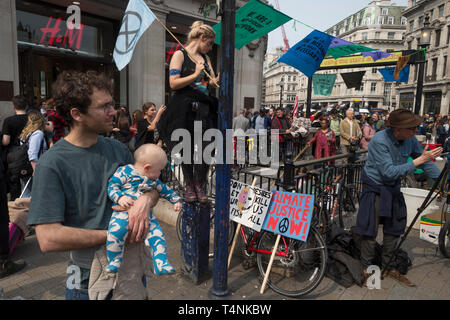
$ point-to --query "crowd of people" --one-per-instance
(338, 130)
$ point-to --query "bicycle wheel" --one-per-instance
(302, 268)
(444, 239)
(348, 200)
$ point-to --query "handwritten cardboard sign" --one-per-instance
(248, 205)
(290, 214)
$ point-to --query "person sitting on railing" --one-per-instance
(381, 200)
(325, 141)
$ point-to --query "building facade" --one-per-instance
(380, 26)
(37, 46)
(280, 82)
(436, 87)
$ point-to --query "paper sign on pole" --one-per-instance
(248, 204)
(290, 215)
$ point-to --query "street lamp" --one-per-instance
(281, 84)
(425, 39)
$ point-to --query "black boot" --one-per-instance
(8, 267)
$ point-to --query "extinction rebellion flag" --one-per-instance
(137, 18)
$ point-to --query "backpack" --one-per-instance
(18, 164)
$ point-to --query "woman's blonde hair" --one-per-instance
(35, 122)
(198, 29)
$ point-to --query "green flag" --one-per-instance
(254, 20)
(323, 83)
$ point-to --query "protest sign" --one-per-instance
(323, 83)
(248, 204)
(253, 21)
(290, 215)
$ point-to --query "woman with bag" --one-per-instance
(33, 135)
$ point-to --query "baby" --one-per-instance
(125, 186)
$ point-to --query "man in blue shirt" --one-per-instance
(382, 201)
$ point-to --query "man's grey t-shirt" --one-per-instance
(70, 187)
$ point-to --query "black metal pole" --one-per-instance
(281, 97)
(419, 88)
(223, 171)
(308, 98)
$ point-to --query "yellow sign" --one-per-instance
(355, 60)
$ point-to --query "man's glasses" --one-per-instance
(107, 106)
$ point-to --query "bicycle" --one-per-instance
(298, 267)
(335, 202)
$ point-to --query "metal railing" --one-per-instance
(288, 177)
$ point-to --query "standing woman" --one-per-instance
(191, 102)
(147, 126)
(137, 115)
(368, 132)
(325, 140)
(33, 133)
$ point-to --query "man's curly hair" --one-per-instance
(73, 89)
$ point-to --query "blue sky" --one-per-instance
(320, 14)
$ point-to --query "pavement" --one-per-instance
(44, 276)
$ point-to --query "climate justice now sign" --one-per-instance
(290, 214)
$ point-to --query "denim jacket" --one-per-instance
(387, 159)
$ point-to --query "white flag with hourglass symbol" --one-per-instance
(137, 18)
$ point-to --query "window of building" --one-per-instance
(373, 87)
(434, 68)
(409, 45)
(391, 35)
(367, 21)
(448, 35)
(441, 11)
(420, 21)
(444, 68)
(437, 41)
(411, 25)
(294, 78)
(391, 20)
(384, 11)
(364, 35)
(374, 70)
(404, 21)
(377, 35)
(380, 20)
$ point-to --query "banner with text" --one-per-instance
(248, 205)
(290, 214)
(253, 21)
(307, 54)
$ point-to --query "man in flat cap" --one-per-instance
(382, 202)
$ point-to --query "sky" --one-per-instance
(319, 14)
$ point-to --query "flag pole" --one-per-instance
(176, 39)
